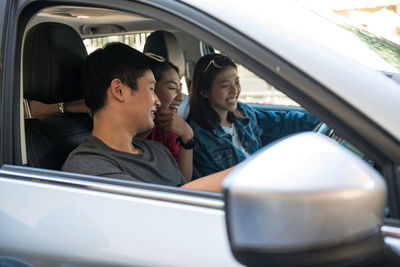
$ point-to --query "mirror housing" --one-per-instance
(304, 201)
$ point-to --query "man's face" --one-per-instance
(143, 103)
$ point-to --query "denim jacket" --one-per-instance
(214, 150)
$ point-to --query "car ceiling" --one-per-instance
(92, 22)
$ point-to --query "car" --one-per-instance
(324, 197)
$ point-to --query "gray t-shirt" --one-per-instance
(155, 165)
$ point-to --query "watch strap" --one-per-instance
(188, 145)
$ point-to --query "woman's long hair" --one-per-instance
(201, 112)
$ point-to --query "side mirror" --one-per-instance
(304, 201)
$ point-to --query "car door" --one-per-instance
(51, 218)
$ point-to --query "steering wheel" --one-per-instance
(323, 128)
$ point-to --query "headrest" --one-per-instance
(165, 44)
(53, 56)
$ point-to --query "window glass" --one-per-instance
(256, 90)
(136, 40)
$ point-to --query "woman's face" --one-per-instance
(225, 90)
(169, 90)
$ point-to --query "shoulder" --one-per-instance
(243, 106)
(150, 145)
(200, 132)
(250, 114)
(90, 146)
(87, 158)
(246, 109)
(195, 126)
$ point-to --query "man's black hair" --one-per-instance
(114, 60)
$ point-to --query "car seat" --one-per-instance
(52, 60)
(166, 44)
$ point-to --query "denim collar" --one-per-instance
(219, 132)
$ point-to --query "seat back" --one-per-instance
(165, 44)
(52, 60)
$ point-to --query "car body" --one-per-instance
(53, 218)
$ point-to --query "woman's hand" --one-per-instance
(171, 122)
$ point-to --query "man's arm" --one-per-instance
(212, 182)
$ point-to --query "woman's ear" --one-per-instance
(204, 94)
(117, 89)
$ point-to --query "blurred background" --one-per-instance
(376, 22)
(380, 17)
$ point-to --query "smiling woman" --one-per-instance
(228, 131)
(170, 129)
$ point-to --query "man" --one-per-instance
(118, 86)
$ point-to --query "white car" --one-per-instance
(328, 197)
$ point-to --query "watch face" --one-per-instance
(61, 107)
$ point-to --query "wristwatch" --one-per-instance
(188, 145)
(61, 107)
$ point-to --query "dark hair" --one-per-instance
(159, 66)
(205, 71)
(114, 60)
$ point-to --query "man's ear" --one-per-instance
(117, 89)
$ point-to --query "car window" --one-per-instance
(258, 91)
(136, 40)
(254, 89)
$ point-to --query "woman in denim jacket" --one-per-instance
(227, 131)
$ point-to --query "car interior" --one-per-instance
(57, 41)
(53, 53)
